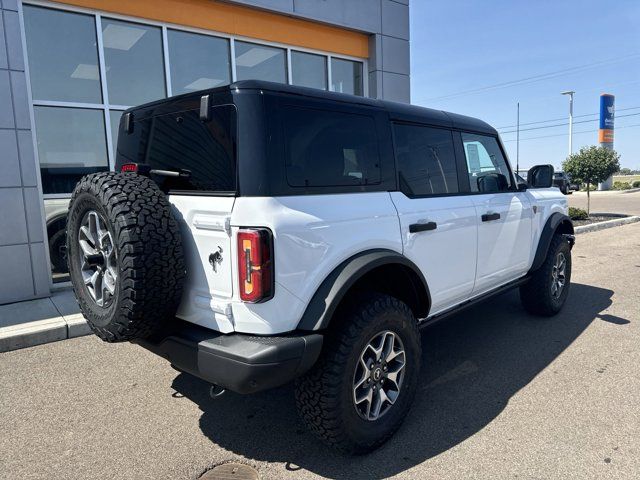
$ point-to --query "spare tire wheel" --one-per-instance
(125, 255)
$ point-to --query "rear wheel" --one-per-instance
(547, 290)
(361, 389)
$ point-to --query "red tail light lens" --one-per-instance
(255, 264)
(129, 167)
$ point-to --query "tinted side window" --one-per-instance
(181, 141)
(487, 167)
(426, 160)
(327, 148)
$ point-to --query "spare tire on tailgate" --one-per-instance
(124, 254)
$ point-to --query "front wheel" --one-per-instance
(361, 389)
(547, 290)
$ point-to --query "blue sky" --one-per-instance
(462, 45)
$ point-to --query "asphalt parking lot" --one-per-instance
(503, 395)
(608, 202)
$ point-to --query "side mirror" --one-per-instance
(540, 176)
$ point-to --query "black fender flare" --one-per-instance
(554, 222)
(332, 290)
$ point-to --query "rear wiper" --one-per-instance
(182, 173)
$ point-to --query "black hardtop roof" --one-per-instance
(396, 110)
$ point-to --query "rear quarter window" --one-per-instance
(325, 148)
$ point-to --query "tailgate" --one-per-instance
(204, 225)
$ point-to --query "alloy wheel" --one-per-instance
(378, 377)
(98, 262)
(558, 275)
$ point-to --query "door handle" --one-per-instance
(422, 227)
(487, 217)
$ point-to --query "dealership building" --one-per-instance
(69, 68)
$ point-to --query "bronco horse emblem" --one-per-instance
(215, 259)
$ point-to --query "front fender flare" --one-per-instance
(328, 296)
(554, 222)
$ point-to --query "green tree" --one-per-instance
(592, 165)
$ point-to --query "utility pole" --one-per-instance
(518, 141)
(570, 93)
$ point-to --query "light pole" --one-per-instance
(518, 141)
(570, 93)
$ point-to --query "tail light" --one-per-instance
(255, 264)
(139, 168)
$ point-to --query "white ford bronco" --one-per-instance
(259, 233)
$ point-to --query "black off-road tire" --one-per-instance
(535, 295)
(149, 255)
(324, 395)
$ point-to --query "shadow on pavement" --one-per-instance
(473, 363)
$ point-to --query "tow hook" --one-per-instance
(571, 239)
(216, 391)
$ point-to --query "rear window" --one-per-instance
(329, 148)
(205, 152)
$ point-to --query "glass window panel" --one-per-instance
(309, 70)
(259, 62)
(181, 141)
(63, 57)
(114, 119)
(198, 61)
(71, 143)
(487, 167)
(133, 60)
(426, 160)
(327, 148)
(346, 76)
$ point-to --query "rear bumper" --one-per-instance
(238, 362)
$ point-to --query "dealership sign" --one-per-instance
(607, 116)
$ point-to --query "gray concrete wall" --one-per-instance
(387, 23)
(24, 266)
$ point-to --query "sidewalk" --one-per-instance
(25, 324)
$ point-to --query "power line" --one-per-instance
(564, 118)
(564, 134)
(534, 78)
(566, 123)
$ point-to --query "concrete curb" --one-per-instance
(45, 320)
(631, 190)
(616, 222)
(42, 331)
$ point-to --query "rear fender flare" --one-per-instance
(333, 289)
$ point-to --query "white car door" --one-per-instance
(438, 226)
(504, 214)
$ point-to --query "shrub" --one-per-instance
(578, 214)
(621, 186)
(636, 184)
